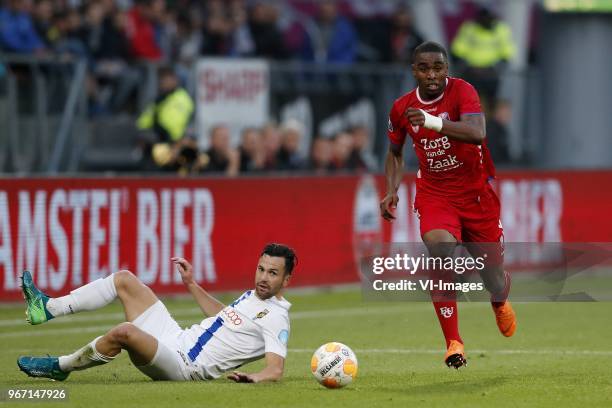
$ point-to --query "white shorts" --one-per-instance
(170, 362)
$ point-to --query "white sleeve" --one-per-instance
(276, 335)
(241, 298)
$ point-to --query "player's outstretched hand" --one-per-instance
(387, 205)
(415, 116)
(241, 377)
(184, 268)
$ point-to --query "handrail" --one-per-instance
(67, 116)
(15, 58)
(13, 128)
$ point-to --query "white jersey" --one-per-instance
(240, 333)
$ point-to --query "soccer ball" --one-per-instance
(334, 365)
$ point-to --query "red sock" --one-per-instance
(449, 321)
(445, 305)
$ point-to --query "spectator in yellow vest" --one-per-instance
(164, 122)
(482, 47)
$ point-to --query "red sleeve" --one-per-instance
(394, 130)
(469, 102)
(142, 39)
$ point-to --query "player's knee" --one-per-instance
(440, 243)
(123, 333)
(440, 249)
(124, 278)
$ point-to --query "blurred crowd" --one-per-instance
(182, 30)
(114, 36)
(276, 148)
(271, 148)
(168, 144)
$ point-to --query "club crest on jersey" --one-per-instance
(444, 115)
(390, 126)
(283, 336)
(261, 314)
(447, 311)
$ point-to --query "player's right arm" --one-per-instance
(394, 166)
(471, 125)
(469, 129)
(209, 305)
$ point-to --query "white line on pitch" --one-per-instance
(367, 309)
(416, 351)
(426, 351)
(314, 314)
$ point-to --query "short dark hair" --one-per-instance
(429, 46)
(166, 70)
(282, 251)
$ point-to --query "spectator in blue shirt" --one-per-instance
(17, 32)
(331, 38)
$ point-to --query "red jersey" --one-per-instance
(141, 35)
(447, 167)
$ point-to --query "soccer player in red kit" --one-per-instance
(454, 200)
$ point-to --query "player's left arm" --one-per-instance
(275, 366)
(470, 128)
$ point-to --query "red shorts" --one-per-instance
(469, 220)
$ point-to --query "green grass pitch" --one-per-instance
(561, 355)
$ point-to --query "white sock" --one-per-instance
(92, 296)
(84, 358)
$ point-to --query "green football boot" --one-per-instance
(36, 301)
(46, 367)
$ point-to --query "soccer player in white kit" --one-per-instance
(254, 326)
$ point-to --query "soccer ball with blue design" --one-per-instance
(334, 365)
